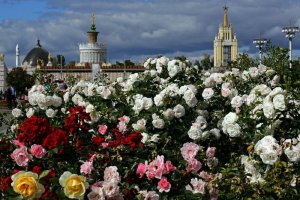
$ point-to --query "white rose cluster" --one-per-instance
(268, 149)
(252, 172)
(36, 97)
(292, 149)
(230, 125)
(189, 95)
(175, 66)
(140, 125)
(196, 130)
(140, 103)
(157, 122)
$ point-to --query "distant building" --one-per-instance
(3, 74)
(225, 43)
(92, 52)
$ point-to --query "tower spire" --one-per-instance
(225, 21)
(93, 27)
(17, 55)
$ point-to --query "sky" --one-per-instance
(137, 29)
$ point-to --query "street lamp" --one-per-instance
(290, 32)
(259, 43)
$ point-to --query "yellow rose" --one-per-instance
(27, 185)
(74, 185)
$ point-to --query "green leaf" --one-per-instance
(44, 173)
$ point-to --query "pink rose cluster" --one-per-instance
(21, 155)
(108, 188)
(189, 152)
(123, 121)
(156, 169)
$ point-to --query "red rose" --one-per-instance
(58, 137)
(134, 139)
(34, 130)
(37, 169)
(5, 183)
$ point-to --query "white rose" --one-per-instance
(154, 138)
(268, 110)
(215, 132)
(293, 153)
(106, 93)
(195, 132)
(207, 93)
(202, 122)
(29, 112)
(168, 114)
(16, 112)
(147, 103)
(140, 125)
(158, 123)
(138, 106)
(66, 97)
(233, 130)
(179, 111)
(262, 69)
(145, 137)
(230, 118)
(158, 100)
(56, 101)
(51, 113)
(275, 91)
(269, 156)
(253, 71)
(250, 98)
(90, 108)
(279, 102)
(236, 101)
(77, 99)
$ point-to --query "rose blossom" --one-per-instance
(102, 129)
(163, 185)
(193, 165)
(236, 102)
(198, 186)
(111, 174)
(179, 111)
(86, 167)
(21, 156)
(278, 102)
(189, 150)
(207, 93)
(150, 195)
(169, 167)
(16, 112)
(38, 151)
(141, 169)
(210, 152)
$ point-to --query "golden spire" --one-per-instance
(225, 23)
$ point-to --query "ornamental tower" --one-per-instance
(17, 56)
(225, 43)
(92, 52)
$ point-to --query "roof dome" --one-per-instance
(37, 53)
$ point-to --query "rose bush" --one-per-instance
(172, 132)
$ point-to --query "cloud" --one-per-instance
(136, 29)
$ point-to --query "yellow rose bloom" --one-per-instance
(27, 185)
(74, 185)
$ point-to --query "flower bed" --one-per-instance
(172, 132)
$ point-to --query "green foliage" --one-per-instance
(19, 78)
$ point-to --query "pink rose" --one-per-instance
(111, 174)
(102, 129)
(18, 143)
(38, 151)
(106, 93)
(189, 150)
(104, 144)
(163, 185)
(86, 167)
(157, 167)
(141, 169)
(210, 152)
(193, 165)
(169, 167)
(21, 156)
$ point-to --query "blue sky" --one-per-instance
(136, 29)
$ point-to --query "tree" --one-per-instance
(243, 62)
(60, 60)
(19, 79)
(71, 63)
(206, 63)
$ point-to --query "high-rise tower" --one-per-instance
(92, 52)
(225, 43)
(17, 56)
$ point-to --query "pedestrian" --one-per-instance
(11, 97)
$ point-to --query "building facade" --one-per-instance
(3, 74)
(92, 51)
(225, 43)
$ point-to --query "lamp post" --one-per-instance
(290, 33)
(259, 43)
